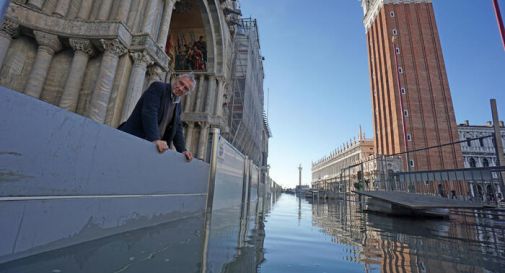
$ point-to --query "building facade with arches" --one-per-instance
(96, 57)
(478, 152)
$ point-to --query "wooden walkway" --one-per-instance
(419, 201)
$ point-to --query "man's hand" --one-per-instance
(188, 155)
(161, 145)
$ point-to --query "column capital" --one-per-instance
(221, 78)
(114, 47)
(202, 124)
(154, 71)
(47, 40)
(82, 45)
(9, 27)
(141, 58)
(35, 3)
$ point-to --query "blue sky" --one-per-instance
(316, 68)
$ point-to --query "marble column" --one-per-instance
(8, 31)
(218, 107)
(211, 90)
(189, 135)
(136, 82)
(188, 101)
(83, 50)
(36, 3)
(165, 23)
(85, 9)
(103, 87)
(149, 17)
(200, 95)
(123, 10)
(48, 45)
(62, 8)
(105, 8)
(202, 142)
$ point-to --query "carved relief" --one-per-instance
(82, 45)
(9, 28)
(141, 58)
(114, 47)
(48, 41)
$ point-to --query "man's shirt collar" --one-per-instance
(174, 98)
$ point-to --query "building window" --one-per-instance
(395, 32)
(392, 13)
(485, 162)
(481, 142)
(411, 163)
(397, 50)
(473, 164)
(400, 69)
(403, 90)
(469, 142)
(406, 112)
(409, 137)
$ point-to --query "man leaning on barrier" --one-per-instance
(157, 115)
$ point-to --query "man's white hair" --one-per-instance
(190, 76)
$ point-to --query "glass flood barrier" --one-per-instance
(229, 242)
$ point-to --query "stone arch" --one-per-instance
(219, 32)
(472, 162)
(479, 190)
(485, 162)
(191, 19)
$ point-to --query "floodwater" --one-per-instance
(337, 236)
(289, 234)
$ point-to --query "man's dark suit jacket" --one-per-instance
(148, 114)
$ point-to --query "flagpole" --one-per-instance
(499, 20)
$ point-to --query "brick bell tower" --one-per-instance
(411, 100)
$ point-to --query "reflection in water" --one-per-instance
(171, 247)
(288, 234)
(337, 236)
(164, 248)
(299, 210)
(250, 255)
(468, 242)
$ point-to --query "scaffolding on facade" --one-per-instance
(248, 122)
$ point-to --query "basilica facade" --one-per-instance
(96, 57)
